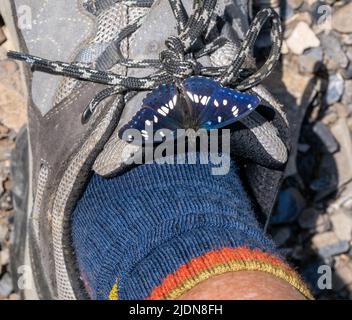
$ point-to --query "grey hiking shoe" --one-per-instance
(120, 50)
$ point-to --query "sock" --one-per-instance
(160, 229)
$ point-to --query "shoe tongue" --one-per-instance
(147, 43)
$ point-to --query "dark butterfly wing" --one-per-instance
(225, 107)
(198, 92)
(158, 112)
(203, 103)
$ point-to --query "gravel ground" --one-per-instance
(312, 222)
(12, 118)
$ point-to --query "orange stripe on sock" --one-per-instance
(211, 259)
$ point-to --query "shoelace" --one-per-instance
(178, 61)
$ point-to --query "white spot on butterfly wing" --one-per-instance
(190, 95)
(235, 111)
(174, 99)
(196, 98)
(156, 119)
(224, 102)
(204, 100)
(147, 122)
(216, 103)
(170, 105)
(165, 109)
(219, 119)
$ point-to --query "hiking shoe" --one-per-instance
(120, 51)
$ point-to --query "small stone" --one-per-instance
(347, 39)
(4, 131)
(2, 36)
(290, 204)
(302, 147)
(335, 88)
(347, 94)
(287, 13)
(342, 225)
(343, 158)
(327, 179)
(312, 219)
(349, 53)
(322, 224)
(298, 253)
(302, 16)
(2, 182)
(341, 110)
(288, 86)
(308, 218)
(295, 4)
(5, 149)
(6, 286)
(302, 38)
(281, 236)
(335, 56)
(326, 137)
(347, 73)
(14, 296)
(339, 203)
(328, 244)
(4, 257)
(284, 48)
(347, 204)
(329, 118)
(311, 60)
(349, 289)
(342, 272)
(3, 232)
(341, 19)
(6, 202)
(8, 67)
(12, 102)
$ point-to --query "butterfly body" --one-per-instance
(196, 103)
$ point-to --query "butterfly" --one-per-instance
(197, 103)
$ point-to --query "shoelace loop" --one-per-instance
(177, 61)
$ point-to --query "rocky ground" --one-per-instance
(312, 222)
(12, 118)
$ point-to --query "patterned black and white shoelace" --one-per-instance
(180, 58)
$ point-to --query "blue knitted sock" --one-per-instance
(158, 230)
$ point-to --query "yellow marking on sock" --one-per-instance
(113, 293)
